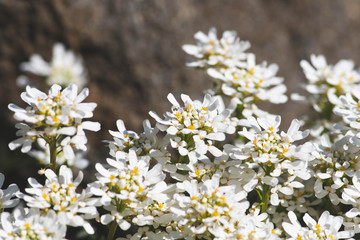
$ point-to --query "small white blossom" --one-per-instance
(212, 52)
(327, 228)
(55, 116)
(31, 224)
(196, 125)
(251, 83)
(59, 194)
(63, 69)
(9, 197)
(129, 187)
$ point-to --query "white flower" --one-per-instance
(211, 51)
(207, 208)
(65, 68)
(196, 125)
(31, 224)
(9, 197)
(129, 187)
(279, 164)
(349, 109)
(59, 194)
(327, 227)
(326, 83)
(351, 195)
(144, 144)
(251, 82)
(334, 166)
(50, 116)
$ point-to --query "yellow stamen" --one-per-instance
(73, 199)
(215, 214)
(193, 198)
(112, 177)
(70, 185)
(197, 172)
(141, 189)
(160, 205)
(191, 127)
(252, 233)
(27, 225)
(358, 105)
(55, 119)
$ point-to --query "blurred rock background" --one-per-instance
(132, 50)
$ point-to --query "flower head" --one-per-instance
(31, 224)
(53, 115)
(9, 197)
(212, 52)
(59, 194)
(64, 69)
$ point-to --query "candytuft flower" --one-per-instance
(64, 68)
(56, 117)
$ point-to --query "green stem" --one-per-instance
(112, 230)
(265, 196)
(52, 146)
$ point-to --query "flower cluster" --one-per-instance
(327, 227)
(9, 197)
(63, 69)
(56, 117)
(59, 194)
(31, 224)
(205, 170)
(235, 73)
(194, 127)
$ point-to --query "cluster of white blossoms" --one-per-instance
(9, 197)
(63, 69)
(205, 170)
(326, 84)
(130, 190)
(193, 128)
(280, 163)
(56, 117)
(235, 72)
(26, 223)
(327, 228)
(59, 194)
